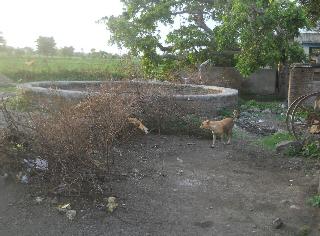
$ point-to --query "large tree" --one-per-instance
(264, 30)
(255, 33)
(164, 32)
(46, 45)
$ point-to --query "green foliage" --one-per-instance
(264, 31)
(304, 231)
(308, 150)
(271, 141)
(273, 106)
(312, 9)
(311, 150)
(141, 27)
(46, 45)
(225, 112)
(20, 102)
(314, 201)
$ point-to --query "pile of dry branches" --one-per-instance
(76, 141)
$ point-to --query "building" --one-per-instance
(310, 42)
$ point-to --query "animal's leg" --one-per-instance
(229, 137)
(213, 140)
(224, 137)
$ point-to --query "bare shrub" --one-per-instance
(76, 140)
(156, 106)
(163, 113)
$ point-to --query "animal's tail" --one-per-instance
(236, 114)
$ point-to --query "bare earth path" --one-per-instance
(181, 186)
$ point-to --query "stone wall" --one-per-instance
(205, 104)
(221, 76)
(304, 79)
(262, 82)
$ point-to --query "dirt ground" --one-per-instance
(180, 186)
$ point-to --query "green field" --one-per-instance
(61, 68)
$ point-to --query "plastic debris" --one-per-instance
(39, 199)
(41, 164)
(64, 208)
(112, 204)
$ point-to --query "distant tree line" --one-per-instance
(46, 46)
(2, 41)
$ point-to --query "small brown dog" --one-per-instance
(221, 128)
(138, 124)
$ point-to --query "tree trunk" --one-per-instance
(282, 80)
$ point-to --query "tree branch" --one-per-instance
(199, 20)
(164, 48)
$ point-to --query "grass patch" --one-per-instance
(64, 68)
(8, 89)
(225, 112)
(271, 141)
(273, 106)
(304, 231)
(314, 201)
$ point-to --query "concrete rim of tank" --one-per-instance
(41, 88)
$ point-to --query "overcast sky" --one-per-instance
(70, 22)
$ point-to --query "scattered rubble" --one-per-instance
(252, 122)
(22, 178)
(288, 145)
(66, 209)
(277, 223)
(38, 163)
